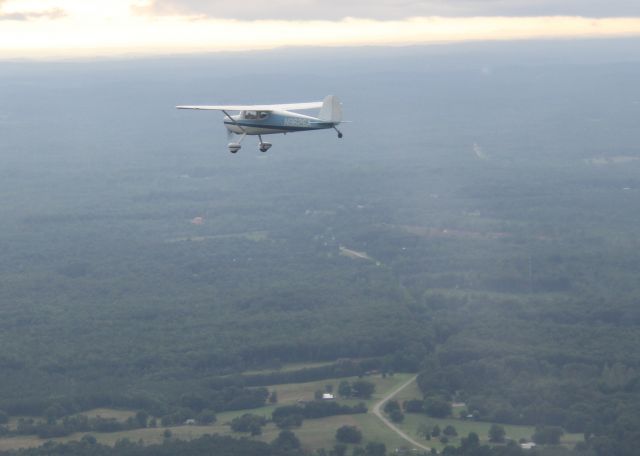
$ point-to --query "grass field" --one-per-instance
(289, 367)
(313, 434)
(413, 421)
(120, 415)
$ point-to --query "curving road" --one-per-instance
(377, 412)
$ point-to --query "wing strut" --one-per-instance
(233, 121)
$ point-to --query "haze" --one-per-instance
(458, 274)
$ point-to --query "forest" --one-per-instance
(143, 267)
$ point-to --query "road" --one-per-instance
(378, 412)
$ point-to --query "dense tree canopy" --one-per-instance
(495, 252)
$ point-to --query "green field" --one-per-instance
(413, 421)
(289, 367)
(313, 434)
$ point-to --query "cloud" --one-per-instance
(51, 13)
(388, 9)
(55, 13)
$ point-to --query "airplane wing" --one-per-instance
(274, 107)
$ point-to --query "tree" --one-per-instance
(348, 434)
(4, 417)
(362, 389)
(437, 407)
(470, 443)
(547, 435)
(344, 389)
(339, 449)
(358, 451)
(317, 395)
(375, 449)
(286, 440)
(435, 432)
(207, 417)
(193, 401)
(396, 416)
(450, 431)
(89, 439)
(390, 406)
(141, 419)
(496, 433)
(413, 406)
(273, 397)
(290, 421)
(248, 423)
(424, 431)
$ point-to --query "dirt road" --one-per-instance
(378, 412)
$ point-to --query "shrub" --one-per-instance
(348, 434)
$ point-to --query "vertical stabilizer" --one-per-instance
(331, 110)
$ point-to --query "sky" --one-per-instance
(87, 28)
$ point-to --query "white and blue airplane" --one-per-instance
(269, 119)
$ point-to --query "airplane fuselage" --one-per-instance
(261, 120)
(270, 122)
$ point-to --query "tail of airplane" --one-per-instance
(331, 110)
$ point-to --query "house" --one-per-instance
(190, 422)
(527, 445)
(328, 397)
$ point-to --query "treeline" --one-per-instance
(52, 428)
(59, 407)
(61, 416)
(292, 415)
(342, 368)
(203, 446)
(224, 399)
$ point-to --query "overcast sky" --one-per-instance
(53, 28)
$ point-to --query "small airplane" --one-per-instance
(278, 118)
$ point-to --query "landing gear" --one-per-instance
(264, 146)
(339, 133)
(235, 147)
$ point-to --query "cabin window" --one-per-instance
(255, 115)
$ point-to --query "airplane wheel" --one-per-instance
(339, 135)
